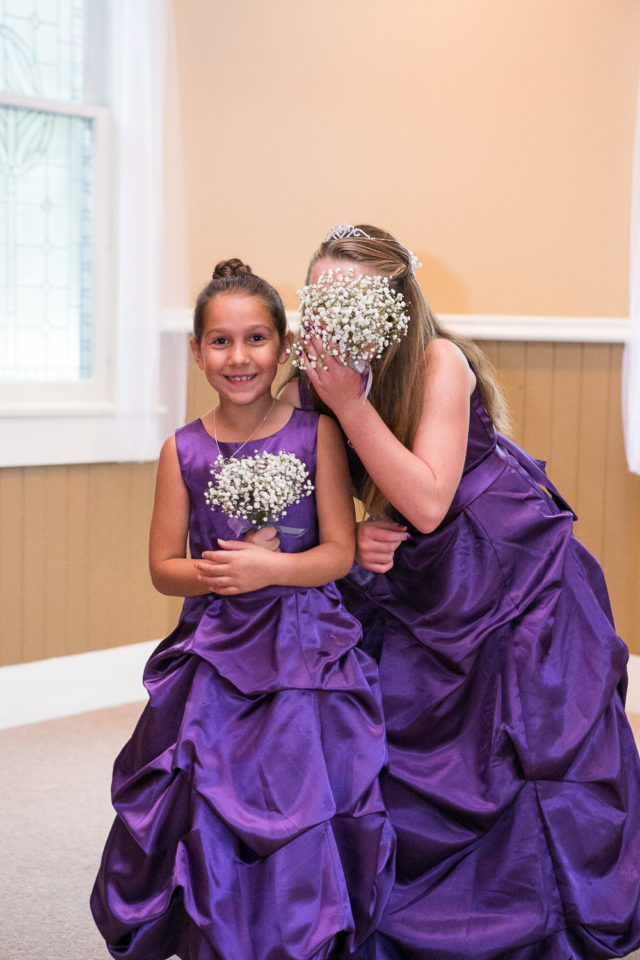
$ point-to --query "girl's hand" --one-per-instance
(338, 386)
(238, 567)
(266, 537)
(377, 543)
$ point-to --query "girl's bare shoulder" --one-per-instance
(446, 361)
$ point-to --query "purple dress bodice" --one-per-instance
(197, 452)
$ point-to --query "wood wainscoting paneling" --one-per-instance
(73, 560)
(73, 552)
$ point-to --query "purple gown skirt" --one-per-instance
(513, 781)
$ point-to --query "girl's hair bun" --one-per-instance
(230, 268)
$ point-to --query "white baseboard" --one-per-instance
(63, 686)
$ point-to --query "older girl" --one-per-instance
(514, 780)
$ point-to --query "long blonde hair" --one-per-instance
(399, 376)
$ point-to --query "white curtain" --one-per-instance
(631, 361)
(144, 81)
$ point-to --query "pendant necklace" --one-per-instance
(250, 437)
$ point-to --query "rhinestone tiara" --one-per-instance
(344, 231)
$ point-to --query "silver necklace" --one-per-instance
(250, 437)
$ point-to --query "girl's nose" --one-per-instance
(238, 353)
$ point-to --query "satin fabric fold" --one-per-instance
(513, 781)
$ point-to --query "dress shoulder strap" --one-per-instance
(189, 444)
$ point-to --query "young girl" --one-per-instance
(250, 823)
(514, 781)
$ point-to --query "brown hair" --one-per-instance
(234, 276)
(399, 376)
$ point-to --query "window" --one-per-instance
(84, 195)
(54, 202)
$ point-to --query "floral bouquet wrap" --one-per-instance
(254, 491)
(355, 317)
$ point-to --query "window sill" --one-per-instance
(55, 438)
(39, 433)
(43, 409)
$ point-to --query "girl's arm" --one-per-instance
(376, 540)
(171, 572)
(240, 567)
(420, 482)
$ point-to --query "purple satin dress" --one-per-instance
(514, 780)
(250, 823)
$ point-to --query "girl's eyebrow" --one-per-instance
(218, 331)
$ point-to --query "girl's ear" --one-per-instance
(285, 350)
(195, 350)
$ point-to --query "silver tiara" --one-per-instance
(344, 231)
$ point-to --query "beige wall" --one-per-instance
(494, 138)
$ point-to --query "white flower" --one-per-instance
(260, 488)
(355, 317)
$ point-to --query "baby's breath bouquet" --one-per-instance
(355, 317)
(256, 490)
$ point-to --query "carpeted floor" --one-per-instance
(55, 814)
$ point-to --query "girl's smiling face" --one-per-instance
(240, 348)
